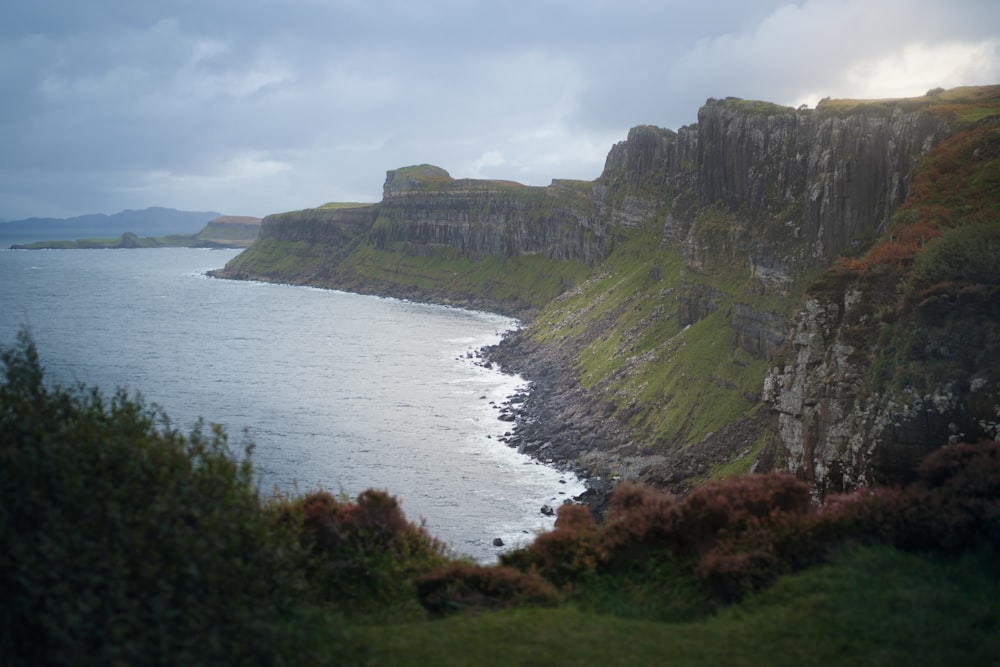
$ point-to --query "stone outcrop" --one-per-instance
(231, 230)
(424, 206)
(836, 426)
(322, 226)
(833, 178)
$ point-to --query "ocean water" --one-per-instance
(336, 391)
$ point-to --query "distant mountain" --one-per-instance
(154, 221)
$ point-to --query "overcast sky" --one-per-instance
(250, 107)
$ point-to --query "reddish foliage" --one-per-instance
(960, 485)
(892, 253)
(373, 522)
(575, 518)
(738, 505)
(730, 574)
(566, 553)
(640, 520)
(740, 534)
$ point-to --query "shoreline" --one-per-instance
(557, 422)
(552, 422)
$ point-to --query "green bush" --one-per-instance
(967, 254)
(129, 543)
(362, 555)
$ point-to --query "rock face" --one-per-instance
(834, 179)
(231, 230)
(807, 184)
(424, 206)
(320, 226)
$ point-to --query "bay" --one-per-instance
(337, 391)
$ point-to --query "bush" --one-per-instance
(960, 485)
(125, 543)
(362, 554)
(565, 554)
(969, 254)
(463, 587)
(724, 509)
(641, 521)
(954, 505)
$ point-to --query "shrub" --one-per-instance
(565, 554)
(966, 254)
(721, 509)
(732, 573)
(960, 486)
(954, 504)
(362, 553)
(125, 543)
(641, 521)
(463, 587)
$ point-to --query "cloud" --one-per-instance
(917, 68)
(842, 48)
(255, 106)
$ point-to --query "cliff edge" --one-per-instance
(758, 290)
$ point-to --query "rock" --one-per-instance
(497, 542)
(547, 511)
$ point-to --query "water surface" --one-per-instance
(339, 391)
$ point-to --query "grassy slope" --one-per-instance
(512, 283)
(672, 384)
(874, 606)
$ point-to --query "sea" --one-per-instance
(336, 391)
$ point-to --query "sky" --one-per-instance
(250, 107)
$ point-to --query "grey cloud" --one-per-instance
(255, 106)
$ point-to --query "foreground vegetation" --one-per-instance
(127, 542)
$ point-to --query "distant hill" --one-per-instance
(154, 221)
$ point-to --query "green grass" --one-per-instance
(173, 241)
(631, 345)
(333, 205)
(280, 260)
(511, 283)
(741, 463)
(874, 606)
(967, 104)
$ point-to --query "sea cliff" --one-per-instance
(725, 297)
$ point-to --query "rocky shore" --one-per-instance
(556, 421)
(551, 421)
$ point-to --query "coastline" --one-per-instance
(552, 422)
(558, 422)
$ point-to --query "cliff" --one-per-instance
(724, 297)
(494, 245)
(235, 231)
